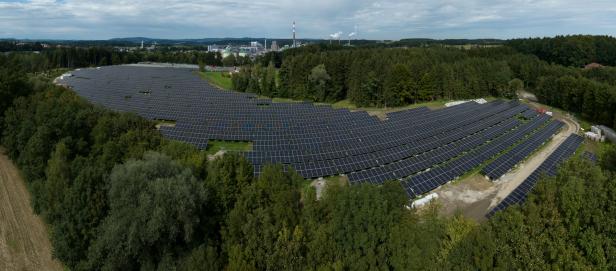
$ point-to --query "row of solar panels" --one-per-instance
(407, 167)
(428, 181)
(379, 158)
(504, 163)
(403, 147)
(548, 168)
(357, 148)
(410, 133)
(316, 140)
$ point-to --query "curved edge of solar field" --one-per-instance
(548, 168)
(421, 148)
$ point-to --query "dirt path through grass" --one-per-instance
(24, 241)
(476, 196)
(513, 179)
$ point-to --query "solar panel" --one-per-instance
(548, 167)
(509, 159)
(590, 156)
(316, 140)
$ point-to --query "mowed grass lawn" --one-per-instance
(219, 79)
(213, 146)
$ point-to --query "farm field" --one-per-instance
(24, 241)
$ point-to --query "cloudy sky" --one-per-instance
(374, 19)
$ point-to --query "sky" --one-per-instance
(373, 19)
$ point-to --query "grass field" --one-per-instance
(282, 100)
(382, 111)
(164, 123)
(348, 105)
(213, 146)
(217, 79)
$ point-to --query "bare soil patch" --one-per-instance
(218, 154)
(24, 241)
(470, 196)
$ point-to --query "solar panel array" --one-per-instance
(421, 147)
(590, 156)
(506, 162)
(493, 144)
(549, 167)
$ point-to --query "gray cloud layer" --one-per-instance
(375, 19)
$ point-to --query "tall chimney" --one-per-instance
(293, 34)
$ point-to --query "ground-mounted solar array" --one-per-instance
(549, 168)
(590, 156)
(422, 148)
(503, 164)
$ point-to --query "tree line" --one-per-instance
(574, 50)
(75, 57)
(587, 92)
(10, 45)
(383, 77)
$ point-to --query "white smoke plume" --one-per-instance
(336, 35)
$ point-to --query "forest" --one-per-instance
(380, 77)
(390, 77)
(14, 46)
(575, 51)
(75, 57)
(118, 196)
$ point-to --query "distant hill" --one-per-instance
(135, 41)
(419, 42)
(205, 41)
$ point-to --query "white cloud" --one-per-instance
(380, 19)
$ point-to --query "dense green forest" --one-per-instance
(380, 77)
(74, 57)
(118, 196)
(576, 51)
(387, 77)
(10, 46)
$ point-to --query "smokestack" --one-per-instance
(335, 36)
(351, 35)
(293, 34)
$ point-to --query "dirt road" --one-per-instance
(514, 178)
(475, 196)
(24, 242)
